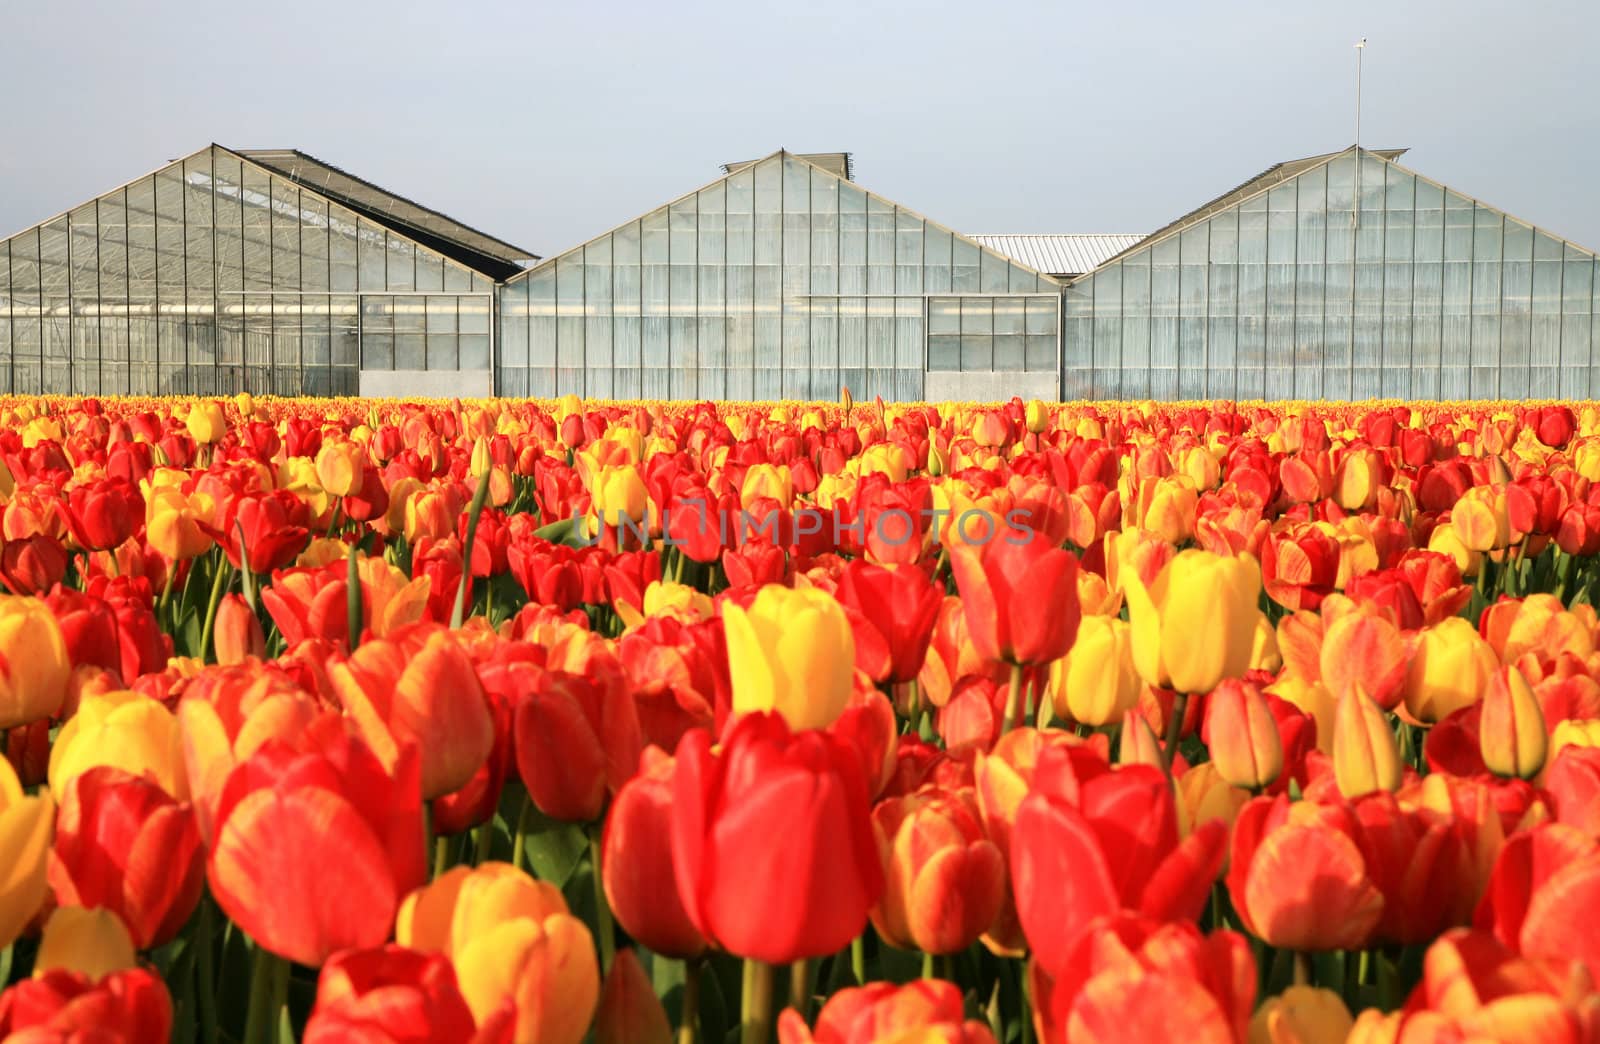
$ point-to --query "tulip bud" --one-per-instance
(93, 943)
(1037, 416)
(1365, 756)
(1302, 1015)
(1139, 744)
(237, 632)
(846, 400)
(1511, 734)
(937, 459)
(1243, 736)
(629, 1012)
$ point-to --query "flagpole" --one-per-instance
(1361, 50)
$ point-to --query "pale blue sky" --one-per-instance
(547, 124)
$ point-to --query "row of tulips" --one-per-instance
(545, 722)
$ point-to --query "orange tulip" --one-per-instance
(945, 881)
(1298, 879)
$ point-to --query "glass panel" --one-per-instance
(377, 333)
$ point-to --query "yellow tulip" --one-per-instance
(1365, 757)
(26, 824)
(1095, 683)
(1036, 416)
(92, 942)
(206, 422)
(1301, 1015)
(767, 480)
(513, 942)
(34, 666)
(1450, 667)
(341, 466)
(791, 652)
(618, 493)
(127, 730)
(1511, 734)
(1196, 625)
(172, 522)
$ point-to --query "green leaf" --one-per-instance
(554, 850)
(562, 531)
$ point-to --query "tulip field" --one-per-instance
(550, 722)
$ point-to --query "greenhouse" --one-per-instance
(262, 271)
(1338, 276)
(1343, 276)
(781, 280)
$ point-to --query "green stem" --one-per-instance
(352, 598)
(1014, 712)
(928, 969)
(485, 838)
(519, 838)
(800, 987)
(688, 1028)
(858, 958)
(217, 584)
(269, 984)
(441, 856)
(203, 931)
(464, 592)
(755, 1013)
(1180, 705)
(608, 942)
(1302, 968)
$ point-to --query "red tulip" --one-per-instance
(418, 688)
(892, 613)
(636, 862)
(103, 514)
(314, 852)
(929, 1010)
(1134, 978)
(576, 739)
(388, 994)
(771, 840)
(130, 1007)
(1091, 841)
(1542, 882)
(237, 631)
(123, 845)
(1020, 597)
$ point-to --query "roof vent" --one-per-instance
(837, 163)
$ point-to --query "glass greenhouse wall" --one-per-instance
(781, 280)
(214, 276)
(1354, 279)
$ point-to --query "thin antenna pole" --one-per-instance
(1361, 50)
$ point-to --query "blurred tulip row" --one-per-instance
(351, 720)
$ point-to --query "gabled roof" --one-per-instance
(1060, 254)
(810, 161)
(840, 164)
(1273, 175)
(461, 243)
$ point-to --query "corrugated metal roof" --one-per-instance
(479, 250)
(1060, 254)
